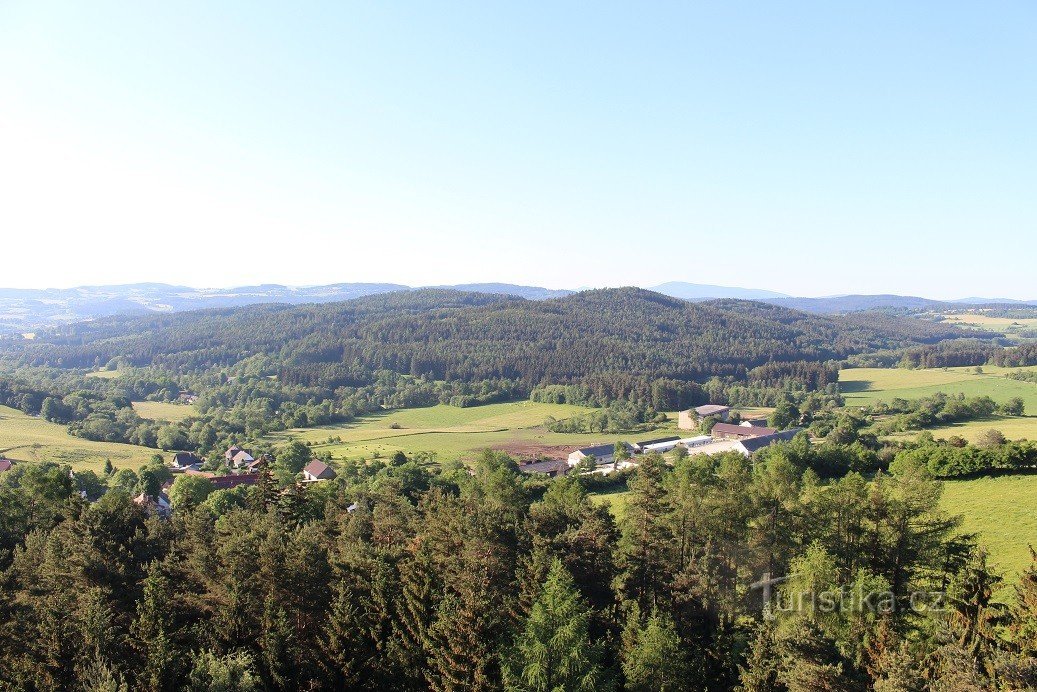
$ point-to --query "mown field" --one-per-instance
(163, 411)
(863, 386)
(24, 438)
(458, 433)
(1002, 511)
(1016, 329)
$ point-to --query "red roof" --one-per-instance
(5, 465)
(318, 469)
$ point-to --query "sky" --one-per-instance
(812, 148)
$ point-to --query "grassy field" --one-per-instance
(1003, 513)
(104, 374)
(163, 411)
(1016, 329)
(863, 386)
(616, 501)
(24, 438)
(458, 433)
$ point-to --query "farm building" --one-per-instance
(728, 431)
(317, 470)
(603, 454)
(651, 445)
(745, 446)
(548, 468)
(689, 420)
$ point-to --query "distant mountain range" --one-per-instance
(680, 289)
(25, 310)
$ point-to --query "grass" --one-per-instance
(24, 438)
(1016, 329)
(616, 500)
(863, 386)
(104, 374)
(163, 411)
(457, 433)
(1000, 510)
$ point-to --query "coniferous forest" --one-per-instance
(397, 576)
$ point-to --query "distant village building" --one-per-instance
(231, 452)
(242, 458)
(186, 460)
(5, 465)
(158, 505)
(256, 464)
(689, 420)
(317, 470)
(187, 398)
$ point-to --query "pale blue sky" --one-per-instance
(810, 148)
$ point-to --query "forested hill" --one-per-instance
(446, 334)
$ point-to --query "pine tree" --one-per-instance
(1023, 627)
(645, 541)
(653, 657)
(760, 674)
(151, 637)
(554, 651)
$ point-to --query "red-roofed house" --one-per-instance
(5, 465)
(317, 470)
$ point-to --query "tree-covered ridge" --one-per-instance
(473, 337)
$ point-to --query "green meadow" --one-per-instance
(864, 386)
(25, 438)
(163, 411)
(1002, 512)
(458, 433)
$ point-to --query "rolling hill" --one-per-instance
(451, 335)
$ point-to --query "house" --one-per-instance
(729, 431)
(256, 464)
(231, 452)
(754, 422)
(689, 420)
(317, 470)
(242, 458)
(187, 397)
(158, 505)
(654, 445)
(186, 460)
(551, 468)
(5, 464)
